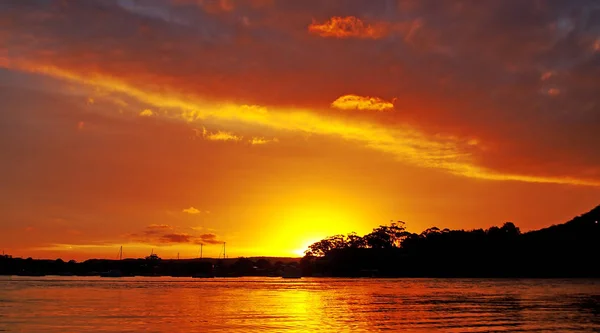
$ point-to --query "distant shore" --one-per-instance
(206, 267)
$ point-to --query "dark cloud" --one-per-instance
(207, 238)
(162, 233)
(176, 238)
(157, 229)
(187, 238)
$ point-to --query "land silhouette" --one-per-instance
(570, 249)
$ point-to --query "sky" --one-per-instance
(270, 124)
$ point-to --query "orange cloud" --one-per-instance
(546, 75)
(221, 136)
(154, 229)
(146, 113)
(262, 141)
(191, 211)
(159, 226)
(355, 102)
(348, 27)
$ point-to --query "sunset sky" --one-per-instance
(270, 124)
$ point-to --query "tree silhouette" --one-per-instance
(385, 237)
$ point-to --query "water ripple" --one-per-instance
(71, 304)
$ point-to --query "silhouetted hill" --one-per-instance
(573, 246)
(583, 227)
(571, 249)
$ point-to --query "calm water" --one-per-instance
(53, 304)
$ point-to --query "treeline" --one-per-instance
(567, 250)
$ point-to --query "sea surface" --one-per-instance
(78, 304)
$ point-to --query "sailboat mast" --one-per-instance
(121, 253)
(224, 256)
(201, 250)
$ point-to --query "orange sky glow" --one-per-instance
(270, 124)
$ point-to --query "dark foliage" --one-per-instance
(567, 250)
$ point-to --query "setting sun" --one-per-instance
(146, 140)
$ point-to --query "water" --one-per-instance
(65, 304)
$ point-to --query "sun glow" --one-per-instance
(308, 222)
(300, 251)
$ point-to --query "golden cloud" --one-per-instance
(262, 141)
(404, 142)
(348, 27)
(355, 102)
(191, 211)
(222, 136)
(146, 113)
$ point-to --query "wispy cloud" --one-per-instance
(191, 211)
(348, 27)
(262, 141)
(159, 227)
(154, 229)
(220, 136)
(406, 143)
(355, 102)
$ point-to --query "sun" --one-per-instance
(300, 251)
(310, 216)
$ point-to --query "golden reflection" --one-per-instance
(306, 305)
